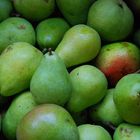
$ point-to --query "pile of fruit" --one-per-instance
(69, 70)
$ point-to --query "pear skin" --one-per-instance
(16, 29)
(126, 131)
(89, 86)
(18, 62)
(80, 44)
(127, 98)
(51, 82)
(74, 11)
(21, 105)
(47, 122)
(105, 112)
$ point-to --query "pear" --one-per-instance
(105, 112)
(21, 104)
(5, 9)
(47, 122)
(118, 59)
(74, 15)
(16, 29)
(105, 16)
(17, 65)
(51, 82)
(33, 9)
(127, 98)
(89, 86)
(80, 44)
(126, 131)
(93, 132)
(50, 32)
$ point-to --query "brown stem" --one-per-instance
(50, 51)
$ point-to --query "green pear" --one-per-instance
(18, 62)
(34, 10)
(5, 9)
(89, 86)
(74, 11)
(50, 32)
(80, 44)
(93, 132)
(127, 98)
(127, 131)
(51, 82)
(21, 105)
(15, 29)
(105, 112)
(47, 122)
(105, 16)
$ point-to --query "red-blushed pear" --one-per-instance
(127, 98)
(47, 122)
(116, 60)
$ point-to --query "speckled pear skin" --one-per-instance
(18, 62)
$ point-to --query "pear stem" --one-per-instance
(50, 51)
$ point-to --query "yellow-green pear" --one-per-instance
(18, 62)
(80, 44)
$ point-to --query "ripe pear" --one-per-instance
(51, 82)
(74, 11)
(16, 29)
(21, 104)
(5, 9)
(89, 86)
(18, 62)
(50, 32)
(105, 16)
(116, 60)
(93, 132)
(126, 131)
(80, 44)
(47, 122)
(34, 10)
(127, 98)
(105, 112)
